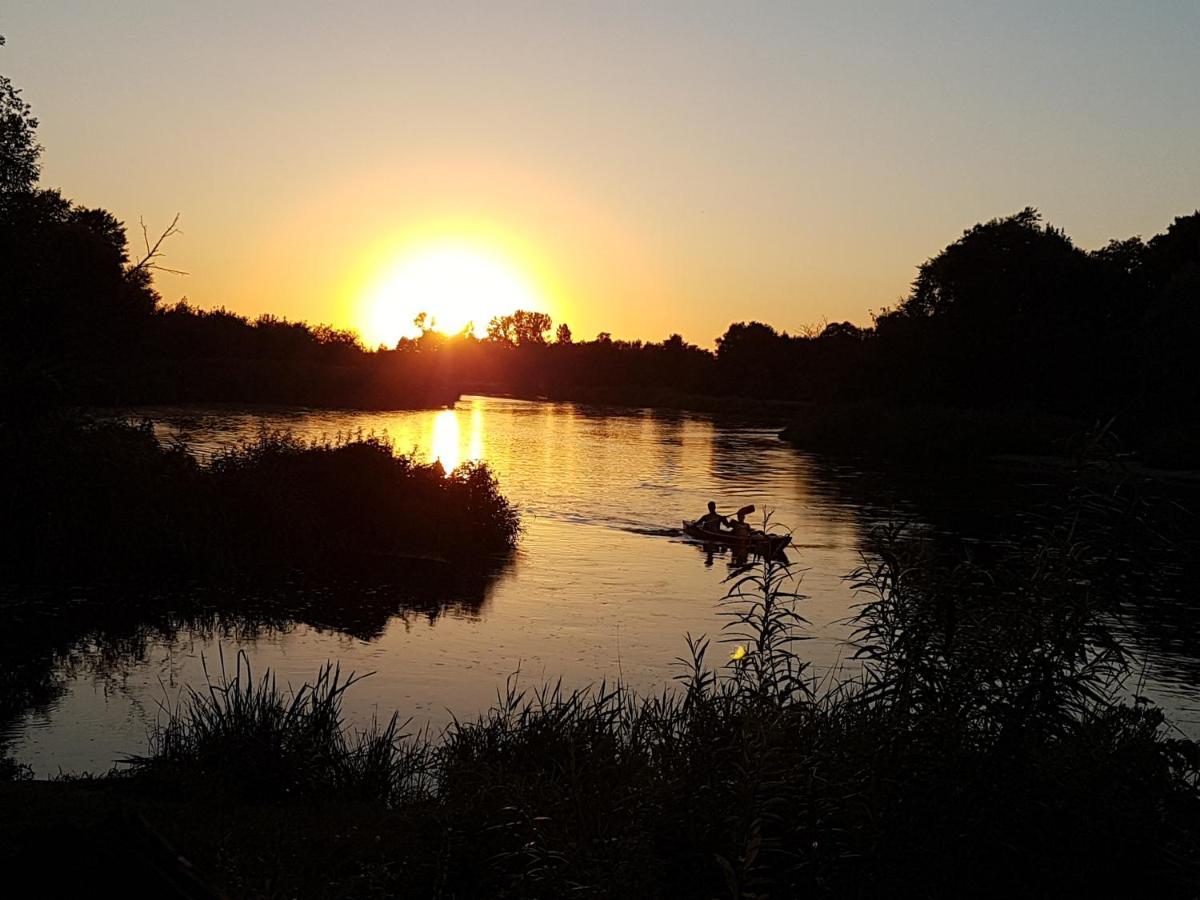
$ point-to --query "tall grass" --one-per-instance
(252, 738)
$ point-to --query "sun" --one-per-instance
(456, 284)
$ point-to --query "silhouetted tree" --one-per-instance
(502, 330)
(1002, 313)
(842, 331)
(563, 335)
(19, 149)
(521, 328)
(531, 327)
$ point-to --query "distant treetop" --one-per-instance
(19, 149)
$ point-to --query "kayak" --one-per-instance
(758, 541)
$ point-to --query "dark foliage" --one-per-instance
(80, 322)
(19, 149)
(1011, 325)
(106, 501)
(193, 355)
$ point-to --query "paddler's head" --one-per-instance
(712, 506)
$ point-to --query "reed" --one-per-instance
(251, 738)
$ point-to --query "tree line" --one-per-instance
(1012, 316)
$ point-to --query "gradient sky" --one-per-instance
(652, 167)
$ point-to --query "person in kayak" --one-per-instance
(712, 520)
(740, 528)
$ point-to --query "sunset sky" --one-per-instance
(640, 168)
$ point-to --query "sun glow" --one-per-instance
(456, 284)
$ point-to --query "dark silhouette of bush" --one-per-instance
(340, 502)
(105, 501)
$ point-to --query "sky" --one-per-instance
(638, 168)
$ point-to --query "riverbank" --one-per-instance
(931, 435)
(768, 411)
(916, 437)
(913, 436)
(922, 436)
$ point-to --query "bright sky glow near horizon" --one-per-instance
(640, 169)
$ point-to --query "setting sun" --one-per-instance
(456, 284)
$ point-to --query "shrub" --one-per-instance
(106, 500)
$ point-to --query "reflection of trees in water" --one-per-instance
(752, 465)
(667, 434)
(748, 456)
(363, 609)
(980, 512)
(57, 636)
(1166, 631)
(1164, 625)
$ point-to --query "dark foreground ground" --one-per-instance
(77, 838)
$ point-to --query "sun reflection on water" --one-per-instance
(444, 443)
(448, 443)
(476, 451)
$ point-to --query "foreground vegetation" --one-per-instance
(105, 501)
(985, 748)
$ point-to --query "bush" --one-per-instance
(105, 500)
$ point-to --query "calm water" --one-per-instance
(601, 584)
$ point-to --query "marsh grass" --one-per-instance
(251, 738)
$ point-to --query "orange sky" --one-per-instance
(645, 169)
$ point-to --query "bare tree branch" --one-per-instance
(147, 263)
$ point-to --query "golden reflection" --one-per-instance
(444, 445)
(476, 452)
(449, 445)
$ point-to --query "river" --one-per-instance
(602, 585)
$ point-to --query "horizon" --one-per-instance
(789, 166)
